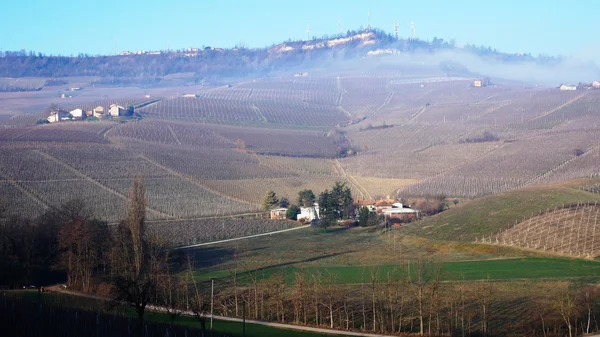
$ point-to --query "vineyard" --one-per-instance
(570, 230)
(216, 153)
(190, 232)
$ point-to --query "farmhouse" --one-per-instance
(477, 83)
(384, 204)
(78, 113)
(278, 213)
(401, 213)
(116, 110)
(596, 84)
(58, 115)
(98, 112)
(566, 87)
(308, 214)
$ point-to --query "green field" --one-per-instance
(499, 269)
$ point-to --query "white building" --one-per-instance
(58, 115)
(78, 113)
(596, 84)
(116, 110)
(566, 87)
(189, 95)
(308, 214)
(98, 112)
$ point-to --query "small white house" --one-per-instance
(116, 110)
(596, 84)
(78, 113)
(58, 116)
(566, 87)
(308, 213)
(98, 112)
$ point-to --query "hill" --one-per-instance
(493, 214)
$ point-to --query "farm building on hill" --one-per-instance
(59, 115)
(477, 83)
(566, 87)
(98, 112)
(596, 84)
(401, 213)
(384, 204)
(116, 110)
(278, 213)
(78, 113)
(189, 95)
(308, 214)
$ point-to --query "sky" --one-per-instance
(567, 28)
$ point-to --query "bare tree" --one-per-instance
(136, 259)
(484, 294)
(564, 302)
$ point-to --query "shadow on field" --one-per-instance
(203, 257)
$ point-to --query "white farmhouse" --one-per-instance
(78, 113)
(98, 112)
(308, 214)
(596, 84)
(566, 87)
(58, 115)
(116, 110)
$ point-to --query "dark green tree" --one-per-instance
(327, 210)
(270, 200)
(364, 215)
(130, 110)
(292, 212)
(306, 198)
(284, 202)
(340, 200)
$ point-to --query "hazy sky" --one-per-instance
(101, 27)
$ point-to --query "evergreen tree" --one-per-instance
(270, 200)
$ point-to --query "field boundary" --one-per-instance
(240, 238)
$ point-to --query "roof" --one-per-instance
(365, 202)
(116, 105)
(388, 202)
(399, 210)
(99, 108)
(279, 209)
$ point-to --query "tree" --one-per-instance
(364, 216)
(306, 198)
(270, 200)
(136, 258)
(292, 212)
(130, 110)
(284, 202)
(341, 200)
(327, 210)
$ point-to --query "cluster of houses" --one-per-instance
(570, 87)
(390, 209)
(59, 115)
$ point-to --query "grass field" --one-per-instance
(494, 213)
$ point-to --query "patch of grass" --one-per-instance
(493, 213)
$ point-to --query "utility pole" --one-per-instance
(244, 319)
(212, 296)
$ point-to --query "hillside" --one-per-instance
(493, 214)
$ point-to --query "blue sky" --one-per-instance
(101, 27)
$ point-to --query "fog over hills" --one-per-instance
(356, 50)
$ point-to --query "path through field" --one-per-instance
(340, 171)
(57, 289)
(242, 238)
